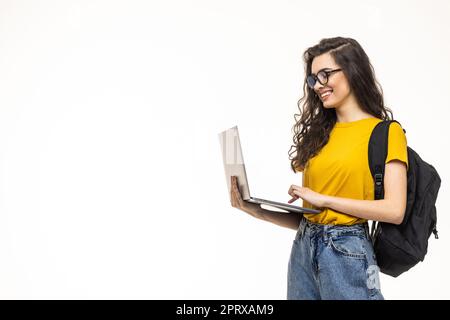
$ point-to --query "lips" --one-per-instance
(324, 94)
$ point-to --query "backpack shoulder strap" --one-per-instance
(378, 149)
(377, 155)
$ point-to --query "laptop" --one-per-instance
(233, 162)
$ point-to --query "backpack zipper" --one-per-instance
(435, 232)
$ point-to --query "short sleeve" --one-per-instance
(397, 145)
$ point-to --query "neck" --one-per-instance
(350, 111)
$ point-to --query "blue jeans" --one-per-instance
(333, 262)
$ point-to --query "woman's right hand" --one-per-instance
(237, 201)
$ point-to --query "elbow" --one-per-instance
(398, 217)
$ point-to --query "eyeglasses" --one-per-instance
(322, 77)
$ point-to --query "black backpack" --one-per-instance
(400, 247)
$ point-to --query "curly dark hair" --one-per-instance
(314, 122)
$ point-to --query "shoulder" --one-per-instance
(396, 126)
(396, 131)
(397, 144)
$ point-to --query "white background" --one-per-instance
(111, 178)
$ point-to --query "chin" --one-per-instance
(328, 106)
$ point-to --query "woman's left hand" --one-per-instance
(312, 197)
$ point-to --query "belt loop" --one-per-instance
(304, 223)
(325, 231)
(301, 228)
(366, 227)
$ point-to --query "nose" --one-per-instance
(317, 87)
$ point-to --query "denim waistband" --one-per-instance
(329, 229)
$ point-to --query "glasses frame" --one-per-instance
(327, 75)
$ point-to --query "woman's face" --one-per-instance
(337, 82)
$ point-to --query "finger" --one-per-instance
(237, 192)
(293, 199)
(233, 201)
(291, 190)
(233, 189)
(296, 194)
(235, 184)
(235, 198)
(232, 197)
(238, 196)
(239, 203)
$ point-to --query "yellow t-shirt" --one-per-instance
(341, 168)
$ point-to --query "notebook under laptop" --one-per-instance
(233, 161)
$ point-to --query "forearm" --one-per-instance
(383, 210)
(286, 220)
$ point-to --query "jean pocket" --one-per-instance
(349, 245)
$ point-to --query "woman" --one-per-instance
(332, 255)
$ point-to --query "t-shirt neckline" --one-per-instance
(353, 123)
